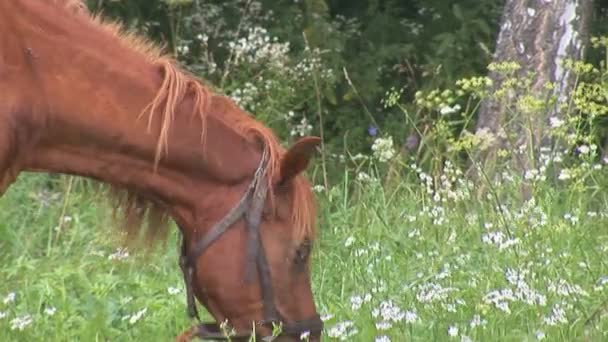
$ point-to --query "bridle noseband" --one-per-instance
(250, 208)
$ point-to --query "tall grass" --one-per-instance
(406, 252)
(420, 260)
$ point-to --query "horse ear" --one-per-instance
(297, 157)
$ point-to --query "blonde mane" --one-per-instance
(177, 85)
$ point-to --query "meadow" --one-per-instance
(420, 258)
(409, 248)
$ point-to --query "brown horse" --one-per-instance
(79, 96)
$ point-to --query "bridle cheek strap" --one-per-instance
(256, 252)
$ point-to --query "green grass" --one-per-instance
(427, 256)
(71, 270)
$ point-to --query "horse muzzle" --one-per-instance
(307, 330)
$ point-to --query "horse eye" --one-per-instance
(302, 253)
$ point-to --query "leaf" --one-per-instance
(483, 26)
(349, 95)
(330, 95)
(458, 12)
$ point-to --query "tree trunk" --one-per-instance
(538, 35)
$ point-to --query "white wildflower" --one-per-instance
(558, 315)
(565, 289)
(326, 317)
(446, 110)
(202, 38)
(258, 47)
(137, 316)
(477, 321)
(535, 174)
(21, 322)
(9, 298)
(453, 331)
(485, 138)
(410, 218)
(564, 174)
(318, 188)
(184, 49)
(411, 317)
(500, 299)
(364, 177)
(384, 325)
(50, 311)
(383, 149)
(342, 330)
(583, 149)
(173, 290)
(499, 239)
(388, 311)
(556, 122)
(356, 302)
(302, 129)
(349, 241)
(569, 217)
(540, 335)
(120, 254)
(431, 292)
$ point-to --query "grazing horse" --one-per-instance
(80, 96)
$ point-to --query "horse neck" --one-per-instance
(82, 119)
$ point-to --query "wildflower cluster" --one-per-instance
(597, 42)
(448, 186)
(442, 101)
(383, 149)
(591, 98)
(481, 140)
(506, 68)
(246, 96)
(343, 331)
(258, 48)
(476, 86)
(392, 97)
(264, 74)
(310, 63)
(579, 67)
(302, 128)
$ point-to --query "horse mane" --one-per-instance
(177, 84)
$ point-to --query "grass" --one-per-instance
(79, 270)
(420, 260)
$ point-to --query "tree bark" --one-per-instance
(538, 35)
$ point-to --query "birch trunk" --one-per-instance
(538, 35)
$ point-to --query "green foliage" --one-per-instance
(59, 256)
(363, 48)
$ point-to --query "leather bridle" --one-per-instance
(250, 208)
